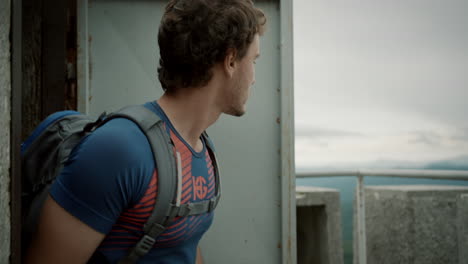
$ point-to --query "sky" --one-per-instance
(380, 83)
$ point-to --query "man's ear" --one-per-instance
(230, 62)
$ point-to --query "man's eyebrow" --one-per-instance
(256, 57)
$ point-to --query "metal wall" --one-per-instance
(117, 62)
(5, 118)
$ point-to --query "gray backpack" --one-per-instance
(46, 150)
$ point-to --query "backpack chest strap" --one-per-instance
(195, 208)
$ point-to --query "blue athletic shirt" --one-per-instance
(110, 183)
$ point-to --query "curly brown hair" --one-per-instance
(194, 35)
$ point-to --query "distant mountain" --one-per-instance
(456, 163)
(376, 164)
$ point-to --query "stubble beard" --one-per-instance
(235, 111)
(237, 107)
(237, 102)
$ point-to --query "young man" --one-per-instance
(107, 189)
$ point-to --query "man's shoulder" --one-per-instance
(119, 143)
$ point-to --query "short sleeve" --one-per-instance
(106, 173)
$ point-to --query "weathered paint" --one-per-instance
(32, 70)
(5, 117)
(71, 44)
(288, 188)
(82, 60)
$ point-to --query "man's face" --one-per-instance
(243, 79)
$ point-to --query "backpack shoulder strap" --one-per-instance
(205, 206)
(161, 145)
(166, 208)
(212, 153)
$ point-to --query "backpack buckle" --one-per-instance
(212, 204)
(184, 210)
(144, 245)
(93, 125)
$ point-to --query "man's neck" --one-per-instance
(191, 112)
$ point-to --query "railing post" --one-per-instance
(361, 221)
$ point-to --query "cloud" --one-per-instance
(425, 137)
(380, 81)
(389, 55)
(462, 135)
(316, 133)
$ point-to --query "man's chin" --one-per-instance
(236, 111)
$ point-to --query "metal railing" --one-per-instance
(360, 198)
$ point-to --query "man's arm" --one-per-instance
(199, 256)
(62, 238)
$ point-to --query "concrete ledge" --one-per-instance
(462, 228)
(318, 225)
(415, 224)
